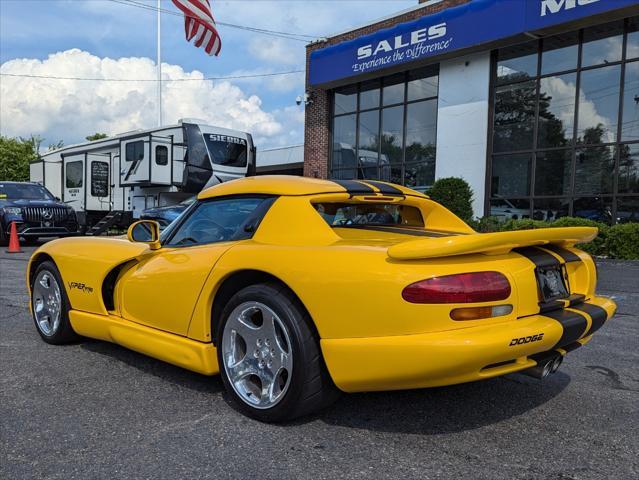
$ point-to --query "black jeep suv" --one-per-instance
(36, 212)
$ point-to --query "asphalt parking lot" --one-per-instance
(96, 410)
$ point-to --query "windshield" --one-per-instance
(226, 150)
(188, 201)
(347, 214)
(24, 191)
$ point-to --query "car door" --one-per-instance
(161, 290)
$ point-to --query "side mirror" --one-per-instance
(145, 231)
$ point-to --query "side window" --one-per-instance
(99, 179)
(74, 174)
(161, 155)
(218, 221)
(134, 151)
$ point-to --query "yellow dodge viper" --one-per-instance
(295, 289)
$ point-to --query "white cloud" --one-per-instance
(276, 50)
(70, 110)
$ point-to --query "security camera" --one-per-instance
(306, 99)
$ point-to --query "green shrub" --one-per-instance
(623, 241)
(455, 194)
(596, 246)
(486, 224)
(523, 224)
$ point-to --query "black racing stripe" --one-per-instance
(403, 231)
(573, 323)
(353, 187)
(567, 255)
(574, 299)
(598, 315)
(571, 346)
(538, 257)
(384, 187)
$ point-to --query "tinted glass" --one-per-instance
(161, 155)
(593, 170)
(598, 209)
(134, 151)
(556, 110)
(421, 141)
(369, 95)
(598, 105)
(226, 150)
(627, 209)
(394, 89)
(517, 63)
(560, 53)
(630, 122)
(345, 100)
(368, 144)
(344, 144)
(514, 117)
(99, 179)
(74, 174)
(602, 44)
(509, 208)
(553, 172)
(216, 221)
(550, 209)
(420, 174)
(422, 84)
(351, 214)
(392, 135)
(24, 191)
(511, 175)
(628, 169)
(632, 43)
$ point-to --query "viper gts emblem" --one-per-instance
(80, 286)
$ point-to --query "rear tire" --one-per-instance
(3, 237)
(50, 305)
(269, 356)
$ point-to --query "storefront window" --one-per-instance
(630, 121)
(565, 133)
(602, 44)
(392, 134)
(559, 53)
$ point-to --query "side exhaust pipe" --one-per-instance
(545, 366)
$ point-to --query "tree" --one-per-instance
(455, 194)
(55, 146)
(15, 156)
(96, 136)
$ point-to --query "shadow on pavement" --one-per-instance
(165, 371)
(427, 412)
(446, 409)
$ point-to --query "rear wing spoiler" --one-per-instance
(489, 243)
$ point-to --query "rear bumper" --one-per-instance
(462, 355)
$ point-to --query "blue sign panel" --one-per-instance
(468, 25)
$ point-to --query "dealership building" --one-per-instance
(535, 103)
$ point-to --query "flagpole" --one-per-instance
(159, 70)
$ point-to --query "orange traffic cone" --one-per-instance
(14, 243)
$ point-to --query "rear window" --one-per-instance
(347, 214)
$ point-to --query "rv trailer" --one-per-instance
(111, 181)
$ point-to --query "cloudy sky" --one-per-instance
(108, 39)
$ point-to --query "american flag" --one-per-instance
(199, 24)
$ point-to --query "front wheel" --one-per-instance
(269, 356)
(50, 305)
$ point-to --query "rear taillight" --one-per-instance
(461, 288)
